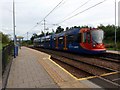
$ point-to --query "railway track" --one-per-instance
(111, 57)
(73, 70)
(98, 61)
(81, 66)
(92, 69)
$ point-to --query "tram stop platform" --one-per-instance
(113, 51)
(35, 69)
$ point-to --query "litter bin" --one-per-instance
(15, 51)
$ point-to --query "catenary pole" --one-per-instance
(115, 27)
(14, 29)
(27, 38)
(44, 28)
(44, 31)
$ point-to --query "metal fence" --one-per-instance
(7, 55)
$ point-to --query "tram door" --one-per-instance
(86, 39)
(65, 42)
(56, 43)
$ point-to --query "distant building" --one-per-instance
(119, 13)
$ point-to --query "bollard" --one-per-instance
(15, 51)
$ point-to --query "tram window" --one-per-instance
(70, 38)
(88, 37)
(54, 39)
(60, 40)
(84, 37)
(42, 40)
(74, 38)
(47, 39)
(79, 38)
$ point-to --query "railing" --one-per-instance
(7, 55)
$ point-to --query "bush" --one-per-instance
(118, 45)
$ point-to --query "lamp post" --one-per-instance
(44, 33)
(27, 39)
(14, 29)
(115, 27)
(44, 28)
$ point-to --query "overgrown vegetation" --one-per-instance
(4, 40)
(0, 45)
(6, 50)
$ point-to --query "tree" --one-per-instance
(33, 36)
(47, 33)
(59, 29)
(109, 31)
(118, 34)
(75, 27)
(67, 28)
(5, 38)
(42, 34)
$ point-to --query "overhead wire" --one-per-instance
(53, 9)
(75, 10)
(62, 3)
(82, 11)
(48, 14)
(79, 7)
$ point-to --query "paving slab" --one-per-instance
(27, 72)
(113, 51)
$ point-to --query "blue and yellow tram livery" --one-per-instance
(78, 40)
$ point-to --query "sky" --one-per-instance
(29, 12)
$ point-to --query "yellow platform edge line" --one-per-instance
(86, 78)
(61, 67)
(106, 74)
(70, 73)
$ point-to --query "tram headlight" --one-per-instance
(94, 45)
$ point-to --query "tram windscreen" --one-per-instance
(97, 36)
